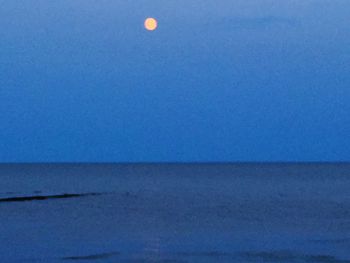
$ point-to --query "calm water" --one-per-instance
(175, 213)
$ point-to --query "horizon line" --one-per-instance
(174, 163)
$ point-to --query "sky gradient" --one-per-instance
(83, 81)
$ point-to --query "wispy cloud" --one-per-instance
(258, 22)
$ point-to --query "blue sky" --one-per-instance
(217, 81)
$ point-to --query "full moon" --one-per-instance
(151, 24)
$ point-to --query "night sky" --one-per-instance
(258, 80)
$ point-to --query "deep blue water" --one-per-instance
(175, 213)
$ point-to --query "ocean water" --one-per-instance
(175, 213)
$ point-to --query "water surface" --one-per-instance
(175, 213)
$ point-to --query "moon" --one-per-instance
(151, 24)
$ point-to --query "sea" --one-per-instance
(175, 213)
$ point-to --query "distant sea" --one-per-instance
(246, 212)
